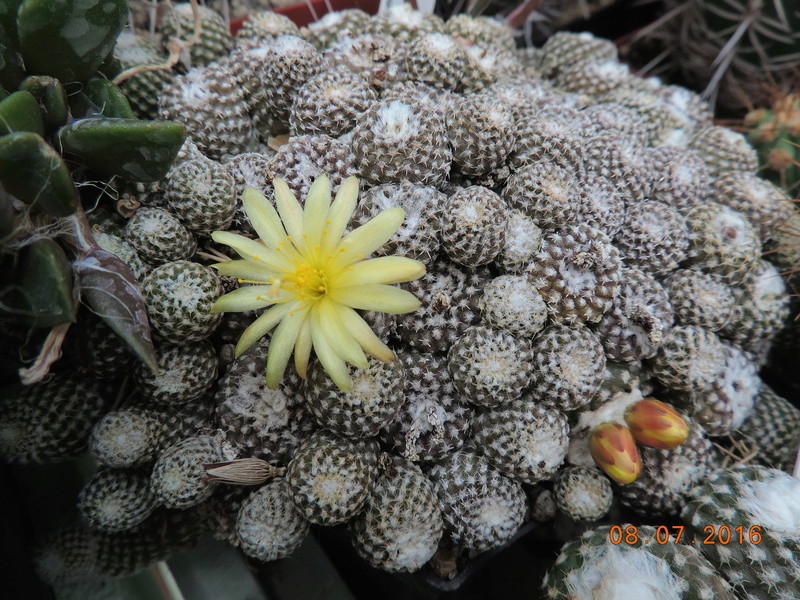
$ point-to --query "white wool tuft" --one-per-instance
(195, 92)
(729, 219)
(611, 68)
(623, 573)
(411, 549)
(441, 43)
(769, 288)
(396, 121)
(773, 504)
(288, 44)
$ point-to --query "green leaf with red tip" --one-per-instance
(33, 172)
(133, 149)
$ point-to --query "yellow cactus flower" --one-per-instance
(313, 278)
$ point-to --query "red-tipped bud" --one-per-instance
(656, 424)
(614, 450)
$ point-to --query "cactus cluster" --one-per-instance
(518, 294)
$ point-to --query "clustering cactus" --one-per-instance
(761, 508)
(518, 294)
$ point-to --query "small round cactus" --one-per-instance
(481, 508)
(330, 478)
(269, 526)
(179, 296)
(158, 236)
(178, 479)
(401, 525)
(582, 493)
(116, 500)
(489, 366)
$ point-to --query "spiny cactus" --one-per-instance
(733, 51)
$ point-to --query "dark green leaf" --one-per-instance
(135, 150)
(68, 39)
(39, 289)
(8, 21)
(20, 112)
(6, 216)
(110, 289)
(100, 98)
(110, 67)
(33, 172)
(11, 72)
(51, 96)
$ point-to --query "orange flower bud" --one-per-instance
(614, 450)
(656, 424)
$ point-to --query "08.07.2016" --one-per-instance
(719, 534)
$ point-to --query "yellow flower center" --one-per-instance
(308, 281)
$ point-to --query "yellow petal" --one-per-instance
(315, 212)
(262, 325)
(302, 349)
(339, 339)
(263, 216)
(251, 297)
(245, 270)
(334, 366)
(364, 335)
(386, 269)
(281, 345)
(378, 297)
(253, 251)
(340, 212)
(370, 236)
(290, 211)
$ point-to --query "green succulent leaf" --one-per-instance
(101, 98)
(8, 20)
(20, 112)
(52, 99)
(39, 290)
(68, 39)
(32, 170)
(109, 287)
(110, 67)
(133, 149)
(11, 72)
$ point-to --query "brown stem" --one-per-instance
(176, 48)
(80, 236)
(50, 353)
